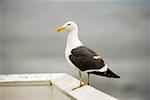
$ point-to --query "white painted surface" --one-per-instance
(63, 82)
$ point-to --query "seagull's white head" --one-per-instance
(68, 26)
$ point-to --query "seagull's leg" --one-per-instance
(81, 84)
(88, 79)
(80, 74)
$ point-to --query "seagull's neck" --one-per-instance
(73, 40)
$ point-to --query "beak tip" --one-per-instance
(57, 30)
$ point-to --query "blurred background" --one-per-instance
(118, 30)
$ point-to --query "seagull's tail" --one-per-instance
(108, 74)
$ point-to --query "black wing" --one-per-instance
(82, 57)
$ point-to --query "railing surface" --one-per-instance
(61, 81)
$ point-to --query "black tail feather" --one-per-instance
(108, 74)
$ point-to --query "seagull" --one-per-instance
(81, 57)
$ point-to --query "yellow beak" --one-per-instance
(60, 29)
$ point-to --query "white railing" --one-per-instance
(61, 81)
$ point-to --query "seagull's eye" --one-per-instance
(68, 24)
